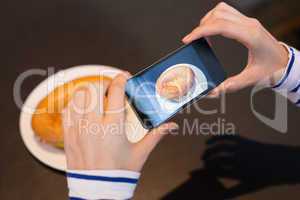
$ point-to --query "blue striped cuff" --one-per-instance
(289, 85)
(75, 198)
(101, 184)
(103, 178)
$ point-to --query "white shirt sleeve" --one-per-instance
(101, 184)
(289, 84)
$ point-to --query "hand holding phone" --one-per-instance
(167, 86)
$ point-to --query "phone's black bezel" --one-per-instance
(200, 96)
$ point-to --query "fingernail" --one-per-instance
(213, 91)
(213, 94)
(173, 127)
(173, 130)
(186, 38)
(127, 74)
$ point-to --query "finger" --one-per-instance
(67, 125)
(226, 138)
(223, 7)
(211, 17)
(220, 161)
(221, 149)
(234, 84)
(221, 167)
(116, 96)
(226, 28)
(227, 7)
(206, 17)
(217, 91)
(152, 138)
(221, 11)
(213, 94)
(75, 109)
(238, 82)
(220, 14)
(95, 99)
(71, 117)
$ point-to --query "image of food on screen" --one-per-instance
(176, 82)
(179, 84)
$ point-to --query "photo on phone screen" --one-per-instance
(163, 89)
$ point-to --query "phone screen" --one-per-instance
(167, 86)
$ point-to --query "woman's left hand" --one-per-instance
(95, 137)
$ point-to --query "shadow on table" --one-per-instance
(253, 164)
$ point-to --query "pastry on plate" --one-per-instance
(46, 120)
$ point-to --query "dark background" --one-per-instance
(129, 35)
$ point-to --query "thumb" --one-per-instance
(232, 84)
(153, 137)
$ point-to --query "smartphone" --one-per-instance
(182, 77)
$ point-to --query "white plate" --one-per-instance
(48, 154)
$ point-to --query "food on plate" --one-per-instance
(46, 121)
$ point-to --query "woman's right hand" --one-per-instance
(267, 58)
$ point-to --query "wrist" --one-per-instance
(103, 164)
(280, 69)
(102, 184)
(78, 165)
